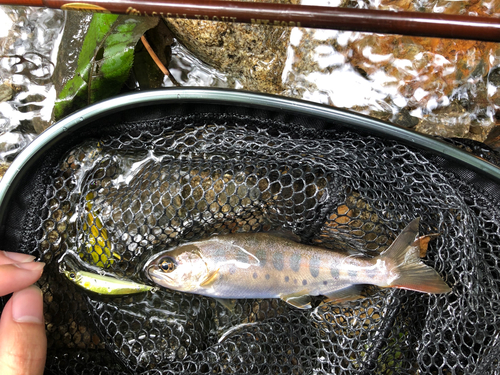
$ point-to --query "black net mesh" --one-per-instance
(123, 190)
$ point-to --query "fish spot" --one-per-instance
(325, 282)
(352, 273)
(262, 257)
(371, 272)
(314, 263)
(232, 269)
(268, 276)
(304, 282)
(334, 272)
(287, 279)
(254, 275)
(278, 261)
(295, 262)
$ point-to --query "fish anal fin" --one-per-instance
(347, 294)
(300, 300)
(227, 303)
(211, 277)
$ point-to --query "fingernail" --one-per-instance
(19, 257)
(27, 306)
(32, 266)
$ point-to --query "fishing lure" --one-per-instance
(105, 284)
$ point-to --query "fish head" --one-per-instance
(73, 275)
(183, 269)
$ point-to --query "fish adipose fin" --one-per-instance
(350, 293)
(404, 258)
(300, 300)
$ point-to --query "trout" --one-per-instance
(265, 265)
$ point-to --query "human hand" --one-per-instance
(23, 343)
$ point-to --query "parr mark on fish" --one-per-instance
(278, 261)
(314, 264)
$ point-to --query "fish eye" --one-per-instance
(168, 265)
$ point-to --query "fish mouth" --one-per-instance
(158, 279)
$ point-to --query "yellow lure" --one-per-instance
(98, 245)
(104, 284)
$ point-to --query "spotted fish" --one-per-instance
(263, 265)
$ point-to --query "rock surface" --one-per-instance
(253, 56)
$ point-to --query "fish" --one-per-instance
(269, 265)
(105, 284)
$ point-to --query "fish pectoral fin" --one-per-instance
(301, 300)
(211, 277)
(227, 303)
(350, 293)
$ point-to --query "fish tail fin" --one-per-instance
(404, 256)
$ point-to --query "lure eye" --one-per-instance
(72, 275)
(168, 265)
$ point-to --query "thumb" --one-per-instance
(23, 344)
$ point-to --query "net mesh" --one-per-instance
(141, 187)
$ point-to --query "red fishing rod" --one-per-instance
(288, 15)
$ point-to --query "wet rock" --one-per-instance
(6, 92)
(253, 56)
(452, 123)
(406, 120)
(494, 76)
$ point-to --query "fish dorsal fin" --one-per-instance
(349, 293)
(286, 235)
(235, 251)
(301, 300)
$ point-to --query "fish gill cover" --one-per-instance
(135, 189)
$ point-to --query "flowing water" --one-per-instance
(435, 86)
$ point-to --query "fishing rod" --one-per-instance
(289, 15)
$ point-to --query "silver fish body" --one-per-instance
(263, 265)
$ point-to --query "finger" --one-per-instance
(7, 257)
(23, 344)
(14, 277)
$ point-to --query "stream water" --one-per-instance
(439, 87)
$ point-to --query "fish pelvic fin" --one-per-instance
(227, 303)
(403, 256)
(300, 300)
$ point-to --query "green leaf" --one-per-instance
(105, 60)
